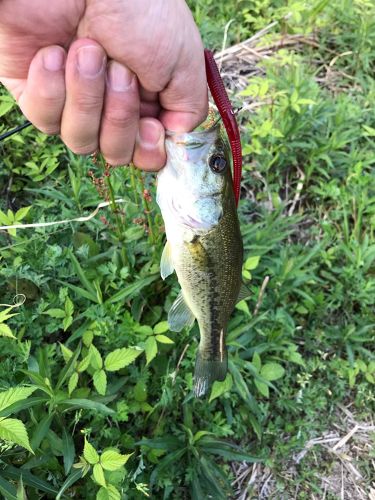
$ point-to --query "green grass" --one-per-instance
(92, 342)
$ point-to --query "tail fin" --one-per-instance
(207, 371)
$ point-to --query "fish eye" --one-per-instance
(217, 163)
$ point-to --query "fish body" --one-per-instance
(204, 244)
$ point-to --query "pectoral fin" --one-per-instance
(166, 264)
(180, 314)
(244, 293)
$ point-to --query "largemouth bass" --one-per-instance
(204, 244)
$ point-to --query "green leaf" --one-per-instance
(108, 493)
(151, 349)
(66, 352)
(41, 431)
(132, 290)
(8, 490)
(82, 277)
(21, 492)
(272, 371)
(100, 381)
(219, 388)
(120, 358)
(68, 320)
(242, 306)
(69, 367)
(21, 213)
(23, 405)
(13, 395)
(5, 331)
(252, 262)
(161, 327)
(163, 339)
(84, 363)
(14, 430)
(55, 313)
(98, 475)
(112, 460)
(4, 315)
(90, 454)
(68, 450)
(29, 479)
(262, 388)
(73, 477)
(96, 358)
(88, 404)
(69, 307)
(73, 381)
(257, 362)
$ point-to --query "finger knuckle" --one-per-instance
(87, 103)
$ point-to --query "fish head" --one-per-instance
(196, 181)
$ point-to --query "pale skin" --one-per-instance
(108, 75)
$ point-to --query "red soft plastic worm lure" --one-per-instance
(220, 96)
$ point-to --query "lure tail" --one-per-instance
(207, 371)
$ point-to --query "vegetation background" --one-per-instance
(96, 393)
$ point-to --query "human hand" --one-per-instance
(105, 74)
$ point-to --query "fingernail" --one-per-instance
(90, 61)
(119, 77)
(53, 59)
(149, 133)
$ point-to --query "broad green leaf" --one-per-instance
(69, 307)
(84, 363)
(21, 213)
(68, 320)
(5, 314)
(151, 349)
(13, 395)
(242, 306)
(73, 381)
(98, 475)
(262, 388)
(5, 331)
(272, 371)
(219, 388)
(55, 313)
(100, 382)
(252, 262)
(161, 327)
(89, 453)
(66, 352)
(257, 362)
(14, 430)
(112, 460)
(163, 339)
(96, 358)
(120, 358)
(108, 493)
